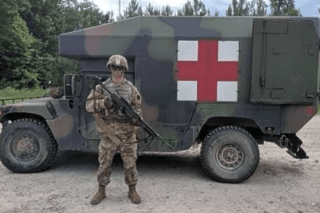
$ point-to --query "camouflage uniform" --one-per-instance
(117, 132)
(115, 129)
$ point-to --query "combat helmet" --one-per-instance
(118, 60)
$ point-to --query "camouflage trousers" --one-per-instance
(122, 139)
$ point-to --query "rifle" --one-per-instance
(123, 105)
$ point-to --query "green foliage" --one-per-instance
(164, 11)
(62, 66)
(150, 11)
(167, 11)
(196, 8)
(187, 10)
(133, 10)
(200, 8)
(15, 51)
(284, 8)
(86, 14)
(47, 19)
(15, 40)
(241, 8)
(44, 21)
(10, 92)
(9, 10)
(29, 39)
(261, 8)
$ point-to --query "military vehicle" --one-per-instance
(229, 83)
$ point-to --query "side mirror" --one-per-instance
(68, 82)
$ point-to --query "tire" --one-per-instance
(229, 154)
(27, 145)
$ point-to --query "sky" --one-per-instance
(307, 7)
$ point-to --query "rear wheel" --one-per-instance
(27, 145)
(229, 154)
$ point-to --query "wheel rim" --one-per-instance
(230, 156)
(25, 147)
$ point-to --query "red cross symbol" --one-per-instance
(207, 70)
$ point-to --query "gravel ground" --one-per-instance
(171, 182)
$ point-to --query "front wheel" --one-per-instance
(27, 145)
(229, 154)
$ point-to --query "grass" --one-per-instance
(20, 94)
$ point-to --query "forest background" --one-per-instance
(29, 31)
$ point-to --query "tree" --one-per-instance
(284, 8)
(47, 19)
(244, 8)
(198, 8)
(241, 8)
(164, 11)
(90, 14)
(257, 8)
(167, 11)
(261, 8)
(78, 15)
(15, 47)
(133, 10)
(9, 10)
(29, 38)
(187, 10)
(150, 11)
(15, 54)
(44, 22)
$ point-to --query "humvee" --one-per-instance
(229, 83)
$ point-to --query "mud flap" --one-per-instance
(294, 147)
(300, 154)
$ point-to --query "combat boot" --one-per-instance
(101, 194)
(133, 195)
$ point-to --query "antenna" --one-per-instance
(119, 9)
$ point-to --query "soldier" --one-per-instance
(116, 130)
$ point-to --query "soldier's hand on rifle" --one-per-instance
(135, 122)
(108, 103)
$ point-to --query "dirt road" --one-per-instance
(171, 183)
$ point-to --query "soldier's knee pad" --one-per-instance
(131, 176)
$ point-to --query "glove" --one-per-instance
(108, 103)
(135, 122)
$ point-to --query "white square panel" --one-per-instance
(187, 50)
(227, 91)
(228, 51)
(187, 90)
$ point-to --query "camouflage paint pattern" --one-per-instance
(268, 102)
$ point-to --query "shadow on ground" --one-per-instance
(163, 164)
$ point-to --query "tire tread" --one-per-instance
(53, 141)
(211, 133)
